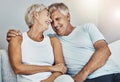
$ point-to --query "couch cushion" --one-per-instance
(0, 69)
(6, 70)
(115, 50)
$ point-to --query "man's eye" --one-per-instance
(52, 22)
(57, 18)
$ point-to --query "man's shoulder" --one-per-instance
(87, 26)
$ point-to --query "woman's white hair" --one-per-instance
(29, 13)
(58, 6)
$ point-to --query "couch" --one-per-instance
(7, 74)
(115, 49)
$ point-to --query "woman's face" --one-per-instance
(44, 19)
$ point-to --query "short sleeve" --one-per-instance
(93, 32)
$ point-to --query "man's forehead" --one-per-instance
(55, 11)
(55, 14)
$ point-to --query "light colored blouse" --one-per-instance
(36, 53)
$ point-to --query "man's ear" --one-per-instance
(68, 16)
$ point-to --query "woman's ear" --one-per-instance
(35, 15)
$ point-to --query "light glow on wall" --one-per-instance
(90, 3)
(116, 13)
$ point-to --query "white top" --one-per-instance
(78, 49)
(36, 53)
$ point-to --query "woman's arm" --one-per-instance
(14, 50)
(59, 60)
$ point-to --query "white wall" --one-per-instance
(109, 19)
(12, 16)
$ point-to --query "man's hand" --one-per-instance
(81, 77)
(47, 80)
(59, 67)
(12, 33)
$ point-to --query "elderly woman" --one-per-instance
(35, 57)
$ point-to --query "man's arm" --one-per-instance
(97, 60)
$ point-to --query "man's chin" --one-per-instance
(60, 34)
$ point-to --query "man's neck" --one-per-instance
(69, 30)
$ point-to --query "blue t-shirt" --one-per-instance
(78, 49)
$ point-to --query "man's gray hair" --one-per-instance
(58, 6)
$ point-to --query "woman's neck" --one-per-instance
(35, 34)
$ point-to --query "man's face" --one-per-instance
(60, 22)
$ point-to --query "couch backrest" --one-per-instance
(115, 50)
(0, 69)
(7, 74)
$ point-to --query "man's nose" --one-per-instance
(55, 23)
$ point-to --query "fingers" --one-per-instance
(8, 39)
(12, 33)
(62, 68)
(59, 68)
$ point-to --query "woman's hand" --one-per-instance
(59, 68)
